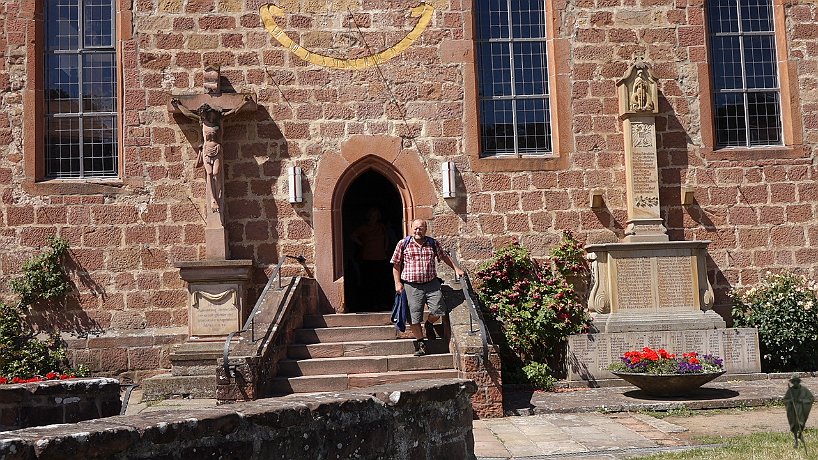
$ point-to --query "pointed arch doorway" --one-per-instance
(372, 215)
(335, 181)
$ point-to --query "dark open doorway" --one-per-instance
(372, 216)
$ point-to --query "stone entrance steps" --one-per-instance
(341, 351)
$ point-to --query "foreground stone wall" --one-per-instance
(57, 401)
(429, 419)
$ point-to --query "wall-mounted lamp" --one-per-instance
(447, 174)
(296, 194)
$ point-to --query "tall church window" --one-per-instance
(512, 75)
(746, 91)
(81, 132)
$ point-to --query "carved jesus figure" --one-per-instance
(210, 152)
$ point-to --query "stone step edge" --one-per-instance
(205, 386)
(379, 318)
(356, 342)
(362, 358)
(365, 375)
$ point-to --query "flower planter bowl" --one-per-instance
(667, 385)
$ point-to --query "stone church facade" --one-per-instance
(373, 100)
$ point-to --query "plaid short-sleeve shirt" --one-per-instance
(418, 260)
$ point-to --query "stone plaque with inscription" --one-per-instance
(589, 355)
(641, 169)
(650, 277)
(677, 282)
(633, 276)
(214, 310)
(217, 296)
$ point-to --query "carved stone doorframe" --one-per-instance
(336, 172)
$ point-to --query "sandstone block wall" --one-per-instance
(758, 208)
(429, 419)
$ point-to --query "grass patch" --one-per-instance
(686, 412)
(675, 412)
(759, 446)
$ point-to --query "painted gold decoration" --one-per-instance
(270, 11)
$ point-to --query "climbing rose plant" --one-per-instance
(536, 307)
(44, 277)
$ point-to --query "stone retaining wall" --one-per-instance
(429, 419)
(57, 401)
(467, 347)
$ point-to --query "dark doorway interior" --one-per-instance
(373, 223)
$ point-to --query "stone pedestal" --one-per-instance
(651, 286)
(655, 295)
(216, 307)
(217, 291)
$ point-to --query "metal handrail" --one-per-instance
(467, 289)
(251, 319)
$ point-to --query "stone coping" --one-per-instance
(423, 419)
(47, 402)
(57, 386)
(637, 245)
(214, 263)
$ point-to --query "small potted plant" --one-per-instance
(659, 373)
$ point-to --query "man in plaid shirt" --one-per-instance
(414, 269)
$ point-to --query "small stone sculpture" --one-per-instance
(798, 401)
(641, 98)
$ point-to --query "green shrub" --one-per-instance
(784, 308)
(22, 353)
(43, 275)
(534, 305)
(540, 376)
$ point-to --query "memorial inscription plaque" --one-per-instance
(676, 285)
(595, 352)
(634, 278)
(214, 311)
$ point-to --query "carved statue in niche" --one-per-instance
(641, 98)
(210, 152)
(638, 90)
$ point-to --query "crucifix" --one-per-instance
(210, 110)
